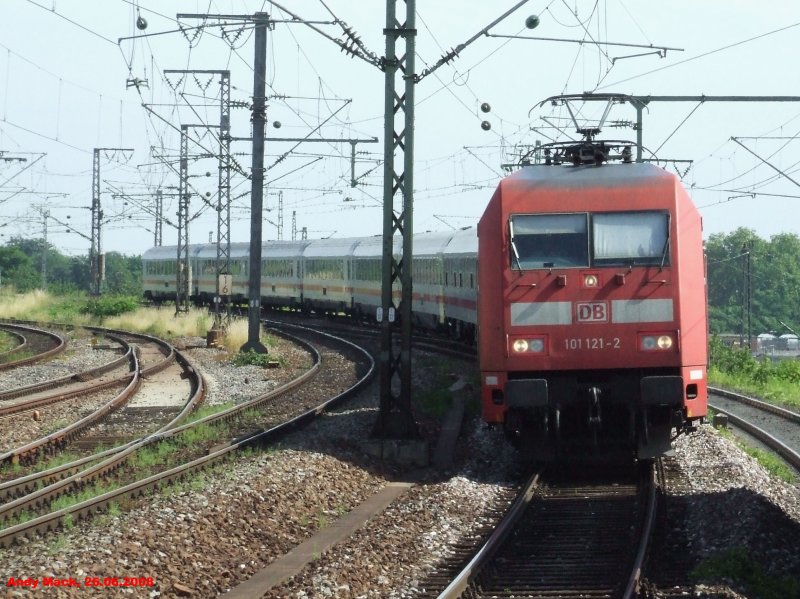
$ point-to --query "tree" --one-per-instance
(123, 274)
(21, 264)
(18, 269)
(774, 281)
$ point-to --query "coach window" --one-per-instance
(548, 240)
(630, 238)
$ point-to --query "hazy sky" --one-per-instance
(65, 89)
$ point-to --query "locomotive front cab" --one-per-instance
(592, 333)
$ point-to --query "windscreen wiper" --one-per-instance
(514, 245)
(666, 247)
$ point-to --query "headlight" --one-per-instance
(590, 280)
(534, 345)
(656, 342)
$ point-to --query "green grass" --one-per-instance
(738, 566)
(21, 518)
(202, 433)
(204, 411)
(87, 493)
(736, 368)
(54, 426)
(777, 391)
(7, 342)
(435, 402)
(57, 545)
(55, 461)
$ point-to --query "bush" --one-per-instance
(251, 358)
(789, 371)
(732, 360)
(104, 306)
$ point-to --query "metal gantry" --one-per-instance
(395, 417)
(641, 102)
(183, 273)
(97, 215)
(223, 207)
(157, 233)
(96, 259)
(222, 318)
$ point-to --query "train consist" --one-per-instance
(591, 315)
(335, 275)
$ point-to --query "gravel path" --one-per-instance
(210, 534)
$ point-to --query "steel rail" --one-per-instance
(494, 542)
(22, 486)
(783, 450)
(22, 344)
(81, 389)
(82, 376)
(61, 345)
(69, 432)
(68, 475)
(757, 403)
(53, 520)
(648, 521)
(59, 478)
(630, 587)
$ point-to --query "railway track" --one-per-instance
(35, 345)
(774, 426)
(113, 461)
(152, 356)
(354, 329)
(567, 534)
(59, 389)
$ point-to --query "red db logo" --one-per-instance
(592, 312)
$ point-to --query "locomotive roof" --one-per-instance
(606, 175)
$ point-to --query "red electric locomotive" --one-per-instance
(592, 306)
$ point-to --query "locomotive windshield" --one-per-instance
(630, 238)
(549, 240)
(582, 240)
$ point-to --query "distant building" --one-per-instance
(788, 342)
(766, 342)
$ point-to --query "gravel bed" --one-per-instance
(208, 535)
(78, 357)
(738, 504)
(227, 383)
(24, 427)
